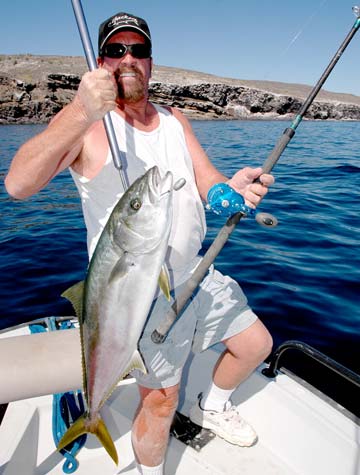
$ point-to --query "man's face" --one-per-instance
(131, 74)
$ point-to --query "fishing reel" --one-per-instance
(225, 201)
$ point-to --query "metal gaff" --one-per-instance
(92, 65)
(159, 335)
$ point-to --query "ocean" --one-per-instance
(301, 277)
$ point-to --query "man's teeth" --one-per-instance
(127, 75)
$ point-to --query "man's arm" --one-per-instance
(207, 175)
(59, 145)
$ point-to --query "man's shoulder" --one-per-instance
(162, 108)
(172, 111)
(182, 119)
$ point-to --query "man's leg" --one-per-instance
(244, 352)
(151, 427)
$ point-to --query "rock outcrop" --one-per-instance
(33, 91)
(239, 102)
(29, 103)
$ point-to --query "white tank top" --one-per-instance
(165, 147)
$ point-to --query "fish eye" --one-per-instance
(135, 204)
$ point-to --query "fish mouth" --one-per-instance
(158, 186)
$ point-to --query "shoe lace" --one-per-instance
(231, 414)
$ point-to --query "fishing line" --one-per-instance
(297, 36)
(283, 53)
(307, 22)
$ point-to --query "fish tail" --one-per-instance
(77, 429)
(82, 426)
(102, 433)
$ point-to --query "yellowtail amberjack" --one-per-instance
(113, 302)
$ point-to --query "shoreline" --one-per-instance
(34, 88)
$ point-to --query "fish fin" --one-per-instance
(81, 426)
(120, 269)
(136, 362)
(74, 431)
(164, 281)
(75, 295)
(83, 363)
(102, 433)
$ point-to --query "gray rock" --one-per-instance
(34, 88)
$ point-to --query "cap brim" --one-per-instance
(123, 27)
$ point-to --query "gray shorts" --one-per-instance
(217, 311)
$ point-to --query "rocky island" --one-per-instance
(34, 88)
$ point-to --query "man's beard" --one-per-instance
(136, 90)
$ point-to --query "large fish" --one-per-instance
(113, 302)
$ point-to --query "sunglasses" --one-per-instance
(118, 50)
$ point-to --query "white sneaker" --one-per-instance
(228, 425)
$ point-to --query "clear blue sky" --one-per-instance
(273, 40)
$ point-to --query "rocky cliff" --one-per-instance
(34, 88)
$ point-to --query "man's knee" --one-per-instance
(254, 343)
(264, 340)
(266, 345)
(159, 402)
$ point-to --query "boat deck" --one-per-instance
(299, 433)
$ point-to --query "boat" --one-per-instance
(301, 430)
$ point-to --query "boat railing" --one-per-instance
(272, 370)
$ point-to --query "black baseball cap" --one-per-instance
(122, 21)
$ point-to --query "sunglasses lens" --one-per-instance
(140, 50)
(118, 50)
(115, 50)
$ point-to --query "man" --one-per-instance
(149, 135)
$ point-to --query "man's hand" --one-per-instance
(96, 95)
(243, 183)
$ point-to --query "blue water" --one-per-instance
(301, 277)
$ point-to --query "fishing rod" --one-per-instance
(92, 65)
(223, 200)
